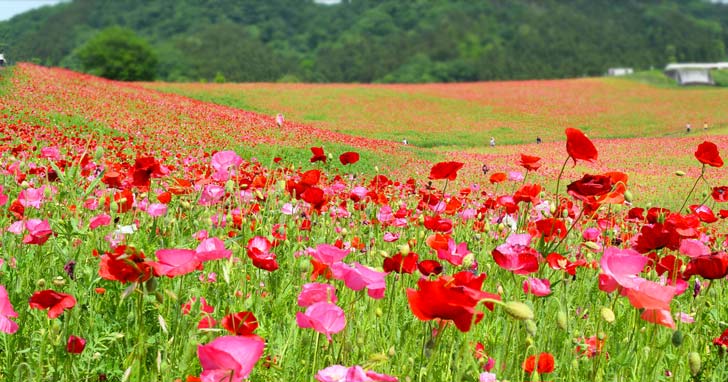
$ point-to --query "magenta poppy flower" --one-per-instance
(258, 250)
(358, 277)
(6, 313)
(516, 255)
(38, 231)
(537, 287)
(212, 249)
(316, 292)
(323, 317)
(455, 253)
(328, 254)
(229, 358)
(175, 262)
(99, 221)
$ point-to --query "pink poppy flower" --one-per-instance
(99, 221)
(358, 277)
(516, 255)
(6, 313)
(157, 209)
(229, 358)
(50, 152)
(620, 268)
(316, 292)
(693, 248)
(31, 197)
(328, 254)
(454, 254)
(38, 231)
(537, 287)
(212, 249)
(221, 162)
(175, 262)
(17, 227)
(323, 317)
(339, 373)
(211, 194)
(390, 237)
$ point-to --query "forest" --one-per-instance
(366, 41)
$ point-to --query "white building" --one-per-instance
(616, 72)
(695, 73)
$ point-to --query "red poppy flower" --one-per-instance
(578, 146)
(438, 224)
(318, 155)
(401, 264)
(528, 193)
(450, 298)
(258, 250)
(722, 341)
(55, 302)
(530, 163)
(429, 267)
(720, 194)
(240, 324)
(713, 266)
(75, 345)
(551, 228)
(445, 170)
(707, 153)
(144, 169)
(498, 177)
(589, 185)
(544, 365)
(349, 157)
(704, 213)
(125, 264)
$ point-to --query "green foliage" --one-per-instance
(383, 41)
(119, 54)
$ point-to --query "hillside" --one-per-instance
(380, 41)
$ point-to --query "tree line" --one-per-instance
(365, 40)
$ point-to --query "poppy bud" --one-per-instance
(24, 184)
(694, 363)
(518, 310)
(378, 312)
(47, 192)
(607, 314)
(529, 341)
(680, 173)
(41, 283)
(391, 352)
(591, 245)
(344, 231)
(404, 249)
(383, 253)
(628, 196)
(677, 338)
(151, 285)
(565, 214)
(184, 204)
(98, 153)
(59, 281)
(531, 327)
(468, 260)
(114, 206)
(561, 320)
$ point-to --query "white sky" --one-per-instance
(10, 8)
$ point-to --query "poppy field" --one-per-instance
(149, 236)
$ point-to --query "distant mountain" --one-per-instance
(381, 40)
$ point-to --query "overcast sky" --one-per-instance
(10, 8)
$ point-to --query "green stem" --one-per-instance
(692, 189)
(558, 180)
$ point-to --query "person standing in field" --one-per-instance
(705, 126)
(492, 141)
(279, 120)
(688, 128)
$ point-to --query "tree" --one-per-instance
(119, 54)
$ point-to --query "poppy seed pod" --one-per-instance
(518, 310)
(694, 362)
(607, 314)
